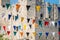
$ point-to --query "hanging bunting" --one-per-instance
(27, 33)
(28, 19)
(4, 27)
(15, 33)
(19, 27)
(38, 7)
(34, 34)
(14, 27)
(30, 25)
(36, 25)
(55, 24)
(22, 19)
(47, 33)
(33, 21)
(27, 6)
(16, 17)
(9, 16)
(40, 23)
(21, 33)
(7, 5)
(25, 26)
(8, 32)
(17, 7)
(53, 33)
(46, 23)
(49, 9)
(41, 15)
(40, 34)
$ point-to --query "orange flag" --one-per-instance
(36, 25)
(21, 33)
(33, 21)
(17, 7)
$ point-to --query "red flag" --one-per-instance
(46, 23)
(4, 27)
(58, 33)
(8, 32)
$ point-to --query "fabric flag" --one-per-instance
(16, 17)
(36, 25)
(25, 26)
(30, 25)
(22, 19)
(9, 16)
(15, 33)
(55, 24)
(21, 33)
(41, 15)
(38, 7)
(27, 33)
(33, 21)
(40, 23)
(14, 27)
(4, 27)
(40, 34)
(17, 7)
(53, 33)
(19, 27)
(47, 33)
(46, 23)
(49, 9)
(7, 5)
(27, 6)
(28, 19)
(8, 32)
(34, 34)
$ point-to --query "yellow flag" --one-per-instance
(24, 26)
(22, 19)
(38, 8)
(34, 33)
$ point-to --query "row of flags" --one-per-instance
(30, 22)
